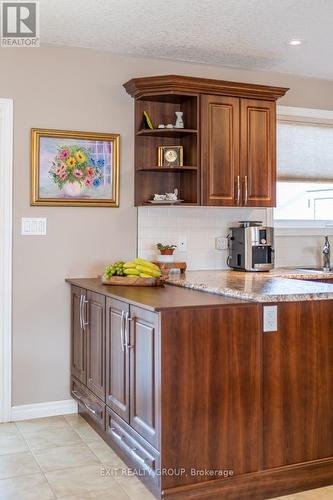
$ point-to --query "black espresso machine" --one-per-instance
(251, 247)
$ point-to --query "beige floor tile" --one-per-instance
(34, 487)
(17, 464)
(106, 454)
(87, 433)
(66, 456)
(75, 420)
(317, 494)
(134, 488)
(8, 430)
(38, 424)
(116, 494)
(12, 443)
(82, 480)
(51, 438)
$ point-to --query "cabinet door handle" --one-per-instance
(246, 190)
(122, 326)
(238, 190)
(127, 321)
(84, 311)
(81, 318)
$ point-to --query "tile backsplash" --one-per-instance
(199, 226)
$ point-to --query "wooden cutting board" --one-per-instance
(132, 281)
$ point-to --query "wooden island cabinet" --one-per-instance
(189, 391)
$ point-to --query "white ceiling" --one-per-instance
(247, 34)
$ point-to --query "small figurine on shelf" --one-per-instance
(179, 121)
(146, 122)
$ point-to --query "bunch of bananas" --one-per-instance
(142, 268)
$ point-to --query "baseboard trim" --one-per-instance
(39, 410)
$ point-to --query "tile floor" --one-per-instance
(62, 457)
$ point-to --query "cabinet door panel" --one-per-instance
(258, 144)
(78, 337)
(220, 150)
(117, 366)
(211, 377)
(144, 373)
(298, 385)
(96, 344)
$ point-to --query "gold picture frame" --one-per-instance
(73, 168)
(162, 162)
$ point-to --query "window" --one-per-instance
(304, 168)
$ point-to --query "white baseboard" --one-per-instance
(39, 410)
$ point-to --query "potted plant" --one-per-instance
(166, 249)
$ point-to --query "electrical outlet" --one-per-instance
(270, 319)
(182, 243)
(221, 243)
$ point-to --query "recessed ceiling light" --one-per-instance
(294, 42)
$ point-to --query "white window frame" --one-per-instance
(6, 197)
(302, 227)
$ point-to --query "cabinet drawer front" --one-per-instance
(89, 404)
(143, 456)
(117, 366)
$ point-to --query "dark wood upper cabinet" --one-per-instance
(221, 182)
(144, 373)
(258, 152)
(96, 343)
(228, 141)
(78, 337)
(117, 365)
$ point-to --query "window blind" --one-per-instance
(304, 152)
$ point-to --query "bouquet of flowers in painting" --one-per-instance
(74, 170)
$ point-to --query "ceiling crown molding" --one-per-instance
(175, 84)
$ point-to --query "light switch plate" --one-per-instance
(270, 319)
(33, 226)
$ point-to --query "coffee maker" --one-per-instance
(251, 247)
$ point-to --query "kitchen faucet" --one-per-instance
(327, 255)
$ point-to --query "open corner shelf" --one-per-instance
(166, 132)
(167, 169)
(151, 179)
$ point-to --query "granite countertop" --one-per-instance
(278, 285)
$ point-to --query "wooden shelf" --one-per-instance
(166, 132)
(167, 169)
(147, 204)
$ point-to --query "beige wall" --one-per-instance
(81, 89)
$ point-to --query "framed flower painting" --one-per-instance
(74, 168)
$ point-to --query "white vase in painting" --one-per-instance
(179, 120)
(73, 189)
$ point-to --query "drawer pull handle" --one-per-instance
(77, 395)
(90, 409)
(116, 435)
(138, 457)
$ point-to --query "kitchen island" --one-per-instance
(191, 392)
